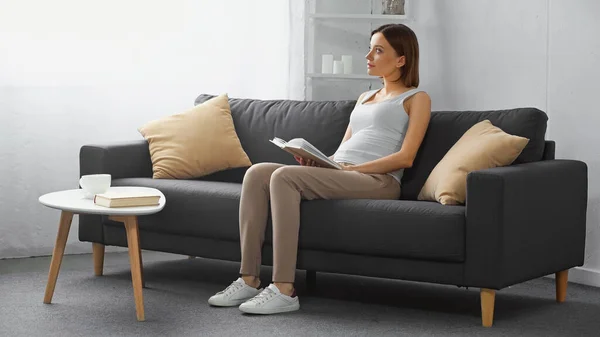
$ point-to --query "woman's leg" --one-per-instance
(254, 208)
(290, 184)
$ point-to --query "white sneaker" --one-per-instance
(237, 293)
(271, 301)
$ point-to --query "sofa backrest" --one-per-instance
(446, 128)
(323, 123)
(257, 121)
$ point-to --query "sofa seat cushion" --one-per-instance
(207, 209)
(386, 228)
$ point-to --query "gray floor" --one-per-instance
(175, 303)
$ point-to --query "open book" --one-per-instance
(302, 148)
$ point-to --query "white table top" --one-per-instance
(74, 201)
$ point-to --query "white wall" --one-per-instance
(77, 72)
(483, 54)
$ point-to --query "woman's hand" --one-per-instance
(306, 162)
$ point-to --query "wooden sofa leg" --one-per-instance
(488, 297)
(98, 256)
(561, 279)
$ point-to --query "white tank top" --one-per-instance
(378, 130)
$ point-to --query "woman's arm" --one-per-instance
(419, 112)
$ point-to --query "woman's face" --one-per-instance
(382, 59)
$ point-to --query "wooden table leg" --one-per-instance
(98, 255)
(133, 243)
(59, 249)
(141, 265)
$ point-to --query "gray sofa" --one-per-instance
(519, 223)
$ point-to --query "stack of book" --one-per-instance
(116, 198)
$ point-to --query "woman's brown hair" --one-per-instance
(404, 41)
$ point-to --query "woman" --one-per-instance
(385, 131)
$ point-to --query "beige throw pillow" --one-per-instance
(196, 142)
(482, 146)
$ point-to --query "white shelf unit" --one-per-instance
(312, 62)
(358, 17)
(343, 76)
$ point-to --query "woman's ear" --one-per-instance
(401, 61)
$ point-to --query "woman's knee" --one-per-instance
(286, 173)
(260, 173)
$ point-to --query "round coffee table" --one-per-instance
(72, 202)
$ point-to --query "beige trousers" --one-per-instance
(285, 186)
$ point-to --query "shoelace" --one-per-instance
(231, 288)
(264, 296)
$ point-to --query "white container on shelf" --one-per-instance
(338, 67)
(327, 64)
(347, 61)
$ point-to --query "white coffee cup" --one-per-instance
(93, 184)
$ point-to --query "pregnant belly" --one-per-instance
(367, 146)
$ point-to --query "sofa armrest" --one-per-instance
(525, 221)
(121, 160)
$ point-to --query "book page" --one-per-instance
(306, 150)
(323, 162)
(278, 141)
(302, 148)
(118, 194)
(296, 142)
